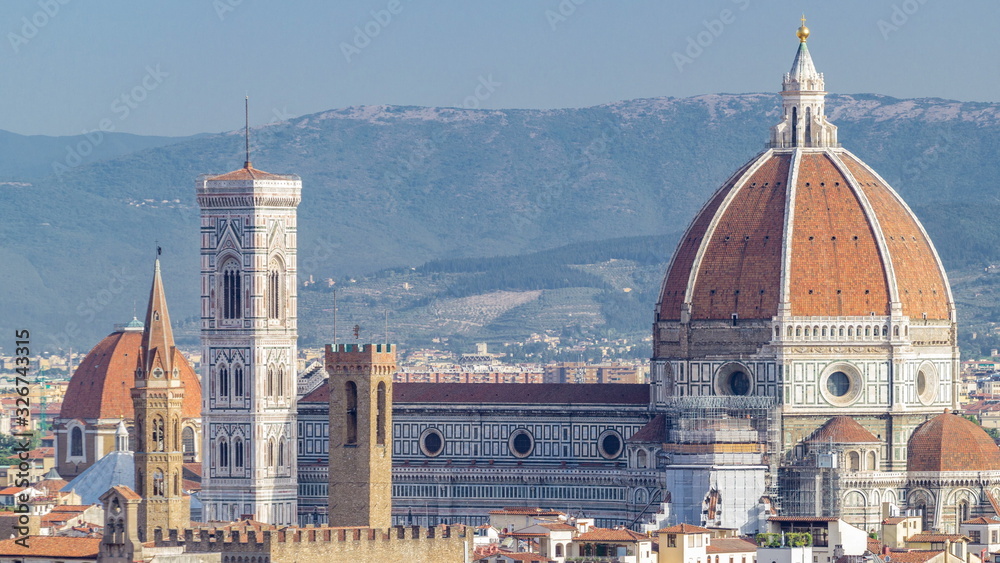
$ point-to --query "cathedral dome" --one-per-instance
(949, 442)
(101, 387)
(805, 229)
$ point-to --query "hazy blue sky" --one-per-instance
(183, 66)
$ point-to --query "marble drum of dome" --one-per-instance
(807, 278)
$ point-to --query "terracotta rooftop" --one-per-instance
(933, 537)
(843, 430)
(897, 519)
(684, 529)
(558, 527)
(612, 534)
(949, 442)
(127, 492)
(983, 520)
(248, 173)
(913, 555)
(54, 547)
(655, 431)
(730, 545)
(101, 387)
(803, 519)
(526, 557)
(732, 257)
(524, 510)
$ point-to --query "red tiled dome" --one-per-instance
(951, 443)
(821, 231)
(101, 386)
(843, 430)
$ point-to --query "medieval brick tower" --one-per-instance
(360, 434)
(158, 400)
(249, 334)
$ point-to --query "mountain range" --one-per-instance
(389, 190)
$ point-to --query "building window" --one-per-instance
(975, 535)
(238, 451)
(274, 290)
(838, 384)
(431, 442)
(157, 436)
(76, 442)
(521, 443)
(351, 400)
(238, 381)
(380, 415)
(188, 440)
(281, 381)
(232, 303)
(224, 454)
(610, 444)
(158, 483)
(223, 382)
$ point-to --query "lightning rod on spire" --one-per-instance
(246, 128)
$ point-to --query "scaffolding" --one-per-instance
(715, 419)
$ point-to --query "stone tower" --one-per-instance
(158, 399)
(360, 434)
(249, 335)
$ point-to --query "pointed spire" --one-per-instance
(803, 103)
(157, 349)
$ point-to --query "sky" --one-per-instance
(183, 67)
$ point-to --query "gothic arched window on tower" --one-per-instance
(238, 381)
(238, 451)
(270, 454)
(223, 382)
(380, 416)
(281, 381)
(76, 442)
(157, 437)
(232, 303)
(158, 483)
(223, 453)
(351, 402)
(281, 455)
(274, 293)
(270, 381)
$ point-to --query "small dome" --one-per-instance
(843, 430)
(101, 387)
(934, 446)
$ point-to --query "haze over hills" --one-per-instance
(388, 188)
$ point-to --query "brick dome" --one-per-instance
(101, 386)
(812, 231)
(951, 443)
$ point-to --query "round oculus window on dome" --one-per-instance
(431, 442)
(610, 444)
(838, 384)
(521, 443)
(841, 384)
(734, 379)
(927, 383)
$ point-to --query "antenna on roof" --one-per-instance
(246, 130)
(335, 318)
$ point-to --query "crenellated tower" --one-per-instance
(158, 400)
(360, 434)
(249, 336)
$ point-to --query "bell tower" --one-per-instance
(158, 398)
(360, 434)
(249, 344)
